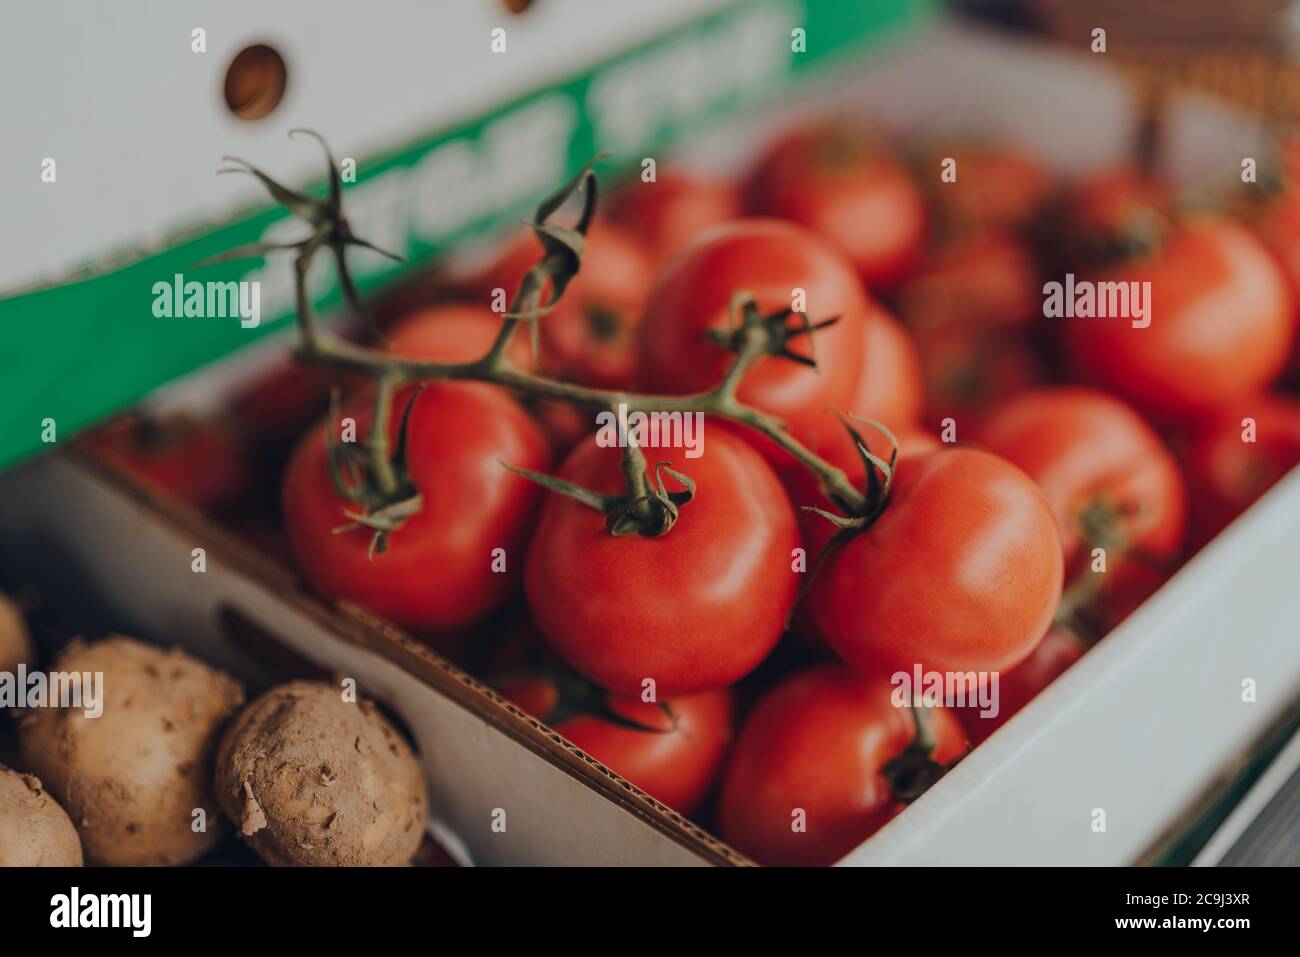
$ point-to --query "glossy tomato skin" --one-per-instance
(836, 447)
(670, 212)
(456, 332)
(590, 336)
(769, 260)
(818, 742)
(962, 570)
(851, 191)
(674, 759)
(1221, 325)
(695, 609)
(463, 332)
(1226, 474)
(1091, 453)
(891, 386)
(437, 571)
(1054, 655)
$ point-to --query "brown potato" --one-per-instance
(133, 778)
(34, 830)
(311, 779)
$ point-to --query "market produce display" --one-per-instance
(903, 457)
(703, 476)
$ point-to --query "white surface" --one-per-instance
(112, 91)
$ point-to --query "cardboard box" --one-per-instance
(1138, 729)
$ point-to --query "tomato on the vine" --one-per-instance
(1221, 324)
(961, 571)
(774, 262)
(672, 750)
(694, 609)
(1108, 477)
(808, 779)
(437, 570)
(1236, 456)
(590, 335)
(669, 212)
(456, 332)
(851, 190)
(837, 446)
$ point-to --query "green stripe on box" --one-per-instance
(80, 351)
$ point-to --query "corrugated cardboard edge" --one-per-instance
(358, 627)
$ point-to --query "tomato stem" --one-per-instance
(754, 336)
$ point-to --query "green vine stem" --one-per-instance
(755, 335)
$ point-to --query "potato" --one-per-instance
(311, 779)
(34, 830)
(132, 778)
(15, 643)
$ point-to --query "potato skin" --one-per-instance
(132, 778)
(15, 643)
(34, 830)
(313, 780)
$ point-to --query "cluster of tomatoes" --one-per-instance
(1035, 479)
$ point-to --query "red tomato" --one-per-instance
(672, 751)
(989, 280)
(837, 447)
(1221, 325)
(769, 260)
(851, 191)
(1107, 476)
(193, 461)
(891, 387)
(839, 450)
(590, 336)
(1058, 650)
(437, 571)
(1106, 216)
(456, 332)
(461, 333)
(889, 391)
(1226, 474)
(970, 370)
(818, 743)
(996, 187)
(670, 212)
(960, 572)
(694, 609)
